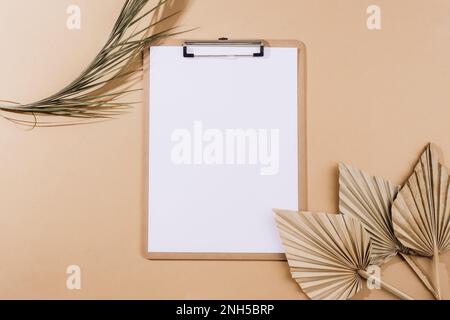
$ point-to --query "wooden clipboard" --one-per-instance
(302, 158)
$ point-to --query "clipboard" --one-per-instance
(260, 47)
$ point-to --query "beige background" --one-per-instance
(74, 195)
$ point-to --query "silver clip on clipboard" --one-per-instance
(223, 42)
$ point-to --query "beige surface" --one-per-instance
(74, 195)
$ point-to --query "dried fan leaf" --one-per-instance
(421, 211)
(369, 199)
(328, 254)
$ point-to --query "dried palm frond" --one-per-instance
(328, 254)
(369, 199)
(421, 211)
(95, 93)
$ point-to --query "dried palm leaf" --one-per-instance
(328, 254)
(369, 199)
(95, 93)
(421, 211)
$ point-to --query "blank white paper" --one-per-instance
(220, 207)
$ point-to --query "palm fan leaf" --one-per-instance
(369, 199)
(328, 254)
(421, 211)
(95, 93)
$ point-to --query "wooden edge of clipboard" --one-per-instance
(302, 159)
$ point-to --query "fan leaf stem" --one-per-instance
(437, 284)
(420, 272)
(389, 288)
